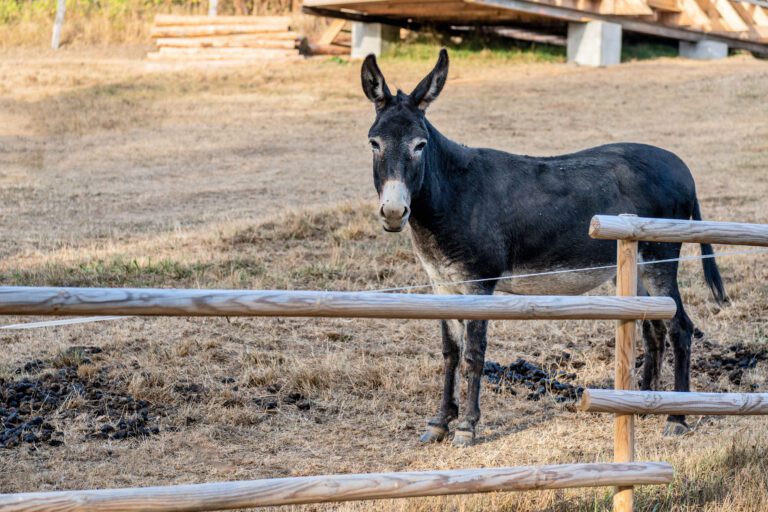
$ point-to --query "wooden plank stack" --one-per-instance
(224, 38)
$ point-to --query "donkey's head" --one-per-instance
(398, 138)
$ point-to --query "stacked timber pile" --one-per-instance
(224, 38)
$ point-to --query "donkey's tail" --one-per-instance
(711, 272)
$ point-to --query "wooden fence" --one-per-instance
(628, 230)
(626, 308)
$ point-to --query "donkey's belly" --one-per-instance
(567, 283)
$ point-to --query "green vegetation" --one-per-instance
(477, 45)
(642, 50)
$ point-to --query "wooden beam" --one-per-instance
(610, 227)
(339, 488)
(19, 300)
(673, 402)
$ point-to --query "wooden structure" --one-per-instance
(224, 38)
(623, 401)
(736, 23)
(338, 488)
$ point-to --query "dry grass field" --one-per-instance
(259, 177)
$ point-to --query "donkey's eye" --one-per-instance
(374, 145)
(418, 148)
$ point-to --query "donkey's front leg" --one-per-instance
(453, 342)
(474, 359)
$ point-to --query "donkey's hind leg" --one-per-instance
(453, 343)
(661, 280)
(655, 339)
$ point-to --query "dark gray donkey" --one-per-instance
(482, 214)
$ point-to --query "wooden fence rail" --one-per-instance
(673, 402)
(625, 227)
(16, 300)
(337, 488)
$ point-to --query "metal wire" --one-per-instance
(70, 321)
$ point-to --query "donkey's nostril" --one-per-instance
(406, 211)
(381, 211)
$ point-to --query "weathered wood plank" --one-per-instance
(673, 402)
(610, 227)
(161, 302)
(338, 488)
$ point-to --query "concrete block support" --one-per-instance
(372, 38)
(703, 50)
(595, 43)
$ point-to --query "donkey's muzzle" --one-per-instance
(394, 209)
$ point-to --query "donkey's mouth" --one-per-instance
(394, 227)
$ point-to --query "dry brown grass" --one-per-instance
(251, 178)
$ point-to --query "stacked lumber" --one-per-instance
(224, 38)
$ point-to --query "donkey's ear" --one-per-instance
(429, 88)
(374, 86)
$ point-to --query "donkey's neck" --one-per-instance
(445, 164)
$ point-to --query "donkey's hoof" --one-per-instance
(675, 429)
(433, 434)
(463, 438)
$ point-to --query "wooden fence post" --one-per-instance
(58, 23)
(626, 332)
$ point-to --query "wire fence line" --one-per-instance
(91, 319)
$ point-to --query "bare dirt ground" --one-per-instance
(114, 174)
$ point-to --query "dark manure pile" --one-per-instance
(533, 380)
(731, 361)
(34, 408)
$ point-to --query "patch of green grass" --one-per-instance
(647, 51)
(476, 46)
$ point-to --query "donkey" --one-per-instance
(482, 214)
